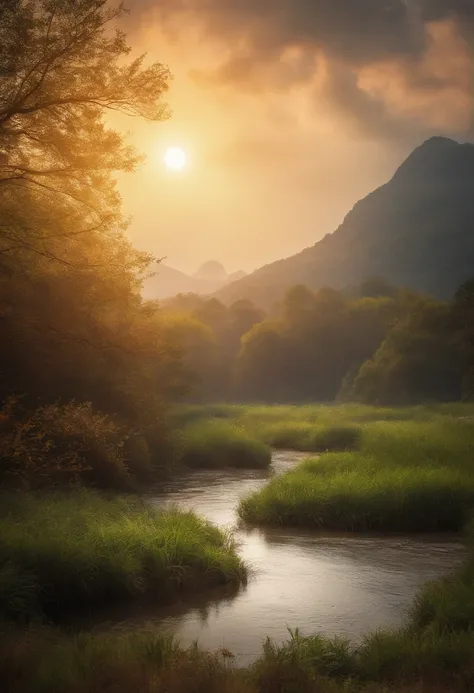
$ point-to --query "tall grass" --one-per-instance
(217, 444)
(385, 661)
(68, 551)
(306, 437)
(46, 661)
(408, 476)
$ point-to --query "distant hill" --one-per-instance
(417, 230)
(169, 282)
(212, 272)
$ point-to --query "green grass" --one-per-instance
(296, 426)
(62, 552)
(386, 658)
(305, 437)
(407, 476)
(218, 444)
(363, 500)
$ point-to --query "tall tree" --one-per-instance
(73, 324)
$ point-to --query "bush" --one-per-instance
(60, 444)
(69, 551)
(218, 444)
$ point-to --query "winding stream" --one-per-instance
(334, 585)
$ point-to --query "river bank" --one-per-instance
(331, 590)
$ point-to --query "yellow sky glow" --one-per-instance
(267, 172)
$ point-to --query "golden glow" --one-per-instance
(175, 158)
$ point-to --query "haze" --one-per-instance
(289, 112)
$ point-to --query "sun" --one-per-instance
(175, 158)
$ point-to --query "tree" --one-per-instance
(260, 367)
(463, 325)
(73, 323)
(63, 70)
(418, 361)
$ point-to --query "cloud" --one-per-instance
(328, 46)
(357, 31)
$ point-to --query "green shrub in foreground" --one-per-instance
(67, 551)
(217, 444)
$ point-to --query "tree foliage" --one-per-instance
(73, 323)
(374, 343)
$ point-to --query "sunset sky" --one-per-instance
(289, 111)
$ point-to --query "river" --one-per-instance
(344, 585)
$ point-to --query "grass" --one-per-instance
(305, 437)
(318, 428)
(49, 661)
(219, 444)
(388, 659)
(406, 476)
(61, 552)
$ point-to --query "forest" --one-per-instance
(375, 344)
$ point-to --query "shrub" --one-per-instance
(60, 444)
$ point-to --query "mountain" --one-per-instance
(235, 276)
(213, 273)
(417, 230)
(169, 282)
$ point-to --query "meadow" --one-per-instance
(64, 552)
(377, 469)
(220, 444)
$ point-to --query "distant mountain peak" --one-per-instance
(212, 270)
(168, 282)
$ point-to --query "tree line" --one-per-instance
(374, 343)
